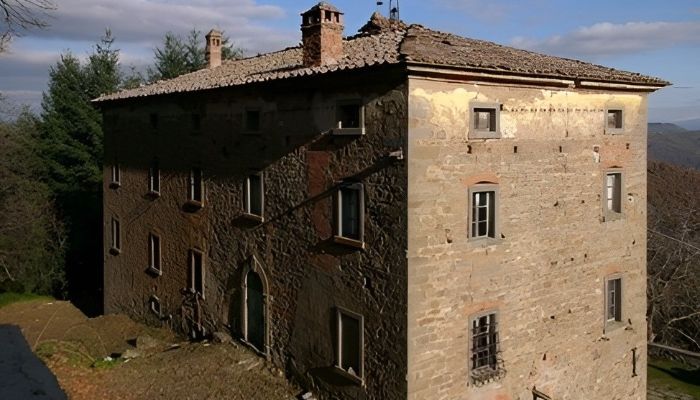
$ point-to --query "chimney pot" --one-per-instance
(322, 35)
(213, 48)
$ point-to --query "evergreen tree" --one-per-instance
(180, 56)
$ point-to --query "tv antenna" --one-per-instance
(394, 13)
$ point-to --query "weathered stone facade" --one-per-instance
(305, 274)
(564, 240)
(545, 275)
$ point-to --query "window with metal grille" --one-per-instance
(614, 300)
(154, 177)
(154, 253)
(484, 342)
(254, 195)
(196, 185)
(197, 272)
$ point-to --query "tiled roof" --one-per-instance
(387, 43)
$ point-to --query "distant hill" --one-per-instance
(690, 124)
(674, 144)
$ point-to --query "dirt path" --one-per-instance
(74, 348)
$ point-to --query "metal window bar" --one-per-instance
(484, 342)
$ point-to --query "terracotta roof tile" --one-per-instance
(390, 43)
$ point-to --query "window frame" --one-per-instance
(614, 130)
(340, 311)
(617, 320)
(115, 235)
(154, 302)
(337, 125)
(246, 119)
(115, 176)
(484, 187)
(154, 178)
(496, 367)
(192, 282)
(491, 107)
(247, 206)
(154, 258)
(608, 214)
(192, 180)
(338, 236)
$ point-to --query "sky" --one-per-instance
(652, 37)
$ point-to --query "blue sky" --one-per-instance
(659, 38)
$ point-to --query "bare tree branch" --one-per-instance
(22, 15)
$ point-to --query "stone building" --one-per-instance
(403, 213)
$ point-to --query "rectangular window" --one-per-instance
(196, 185)
(614, 300)
(349, 118)
(485, 121)
(483, 211)
(154, 178)
(154, 305)
(153, 117)
(350, 343)
(350, 212)
(116, 175)
(485, 360)
(116, 235)
(197, 272)
(613, 120)
(254, 195)
(252, 120)
(612, 196)
(154, 253)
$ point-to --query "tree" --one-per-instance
(32, 240)
(21, 15)
(180, 56)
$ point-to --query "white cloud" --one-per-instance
(605, 38)
(248, 23)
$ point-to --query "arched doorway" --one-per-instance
(255, 311)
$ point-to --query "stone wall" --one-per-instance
(545, 274)
(306, 275)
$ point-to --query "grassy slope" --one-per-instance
(680, 378)
(9, 298)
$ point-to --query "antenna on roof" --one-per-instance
(394, 14)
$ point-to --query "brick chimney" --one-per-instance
(322, 35)
(213, 49)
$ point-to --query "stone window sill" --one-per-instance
(153, 194)
(352, 377)
(484, 241)
(613, 216)
(114, 251)
(348, 131)
(114, 185)
(154, 271)
(253, 217)
(194, 205)
(476, 134)
(614, 327)
(358, 244)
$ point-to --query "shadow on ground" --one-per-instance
(22, 374)
(691, 377)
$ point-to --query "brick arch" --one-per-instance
(484, 177)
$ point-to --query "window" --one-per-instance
(350, 214)
(483, 211)
(116, 175)
(612, 195)
(350, 343)
(613, 121)
(154, 305)
(197, 272)
(485, 121)
(254, 195)
(196, 186)
(349, 118)
(196, 120)
(153, 117)
(252, 120)
(116, 236)
(613, 301)
(154, 178)
(154, 258)
(485, 363)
